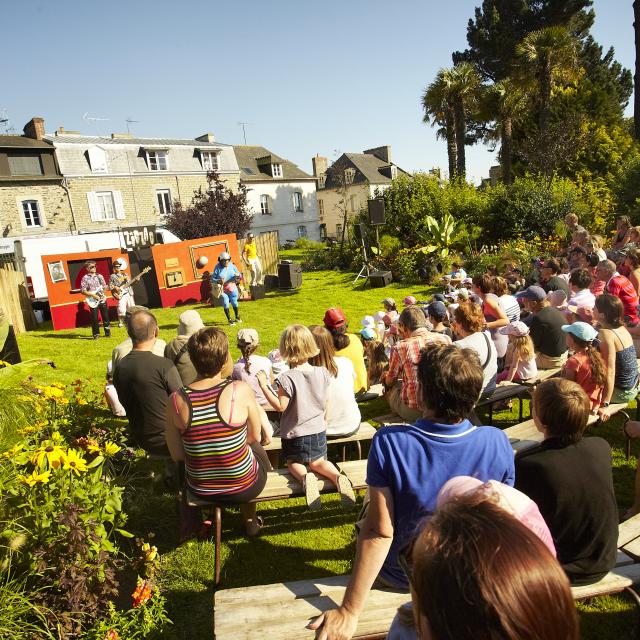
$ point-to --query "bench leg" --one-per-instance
(520, 414)
(359, 447)
(218, 542)
(344, 453)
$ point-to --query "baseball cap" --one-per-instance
(368, 321)
(409, 300)
(516, 328)
(368, 333)
(334, 318)
(437, 309)
(390, 302)
(533, 292)
(439, 297)
(581, 330)
(248, 336)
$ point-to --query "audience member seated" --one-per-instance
(579, 283)
(342, 415)
(377, 360)
(520, 362)
(570, 479)
(545, 325)
(402, 376)
(477, 571)
(125, 347)
(595, 246)
(618, 353)
(632, 262)
(347, 345)
(494, 314)
(585, 364)
(468, 326)
(439, 318)
(551, 278)
(623, 225)
(144, 381)
(213, 425)
(507, 301)
(176, 350)
(407, 466)
(620, 286)
(111, 395)
(391, 309)
(457, 273)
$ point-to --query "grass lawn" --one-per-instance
(295, 543)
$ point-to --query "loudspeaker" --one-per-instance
(380, 278)
(271, 282)
(257, 291)
(146, 290)
(376, 211)
(289, 275)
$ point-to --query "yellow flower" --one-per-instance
(35, 478)
(4, 364)
(51, 392)
(80, 401)
(12, 452)
(150, 552)
(75, 462)
(58, 385)
(111, 448)
(53, 454)
(93, 447)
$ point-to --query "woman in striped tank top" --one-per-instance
(213, 425)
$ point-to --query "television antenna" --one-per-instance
(95, 119)
(130, 121)
(5, 122)
(244, 132)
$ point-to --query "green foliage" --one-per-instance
(20, 618)
(440, 235)
(628, 189)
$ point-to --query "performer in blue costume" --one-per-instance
(226, 274)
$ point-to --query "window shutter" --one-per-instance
(94, 208)
(97, 160)
(117, 201)
(270, 203)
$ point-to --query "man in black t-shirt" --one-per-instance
(144, 382)
(551, 279)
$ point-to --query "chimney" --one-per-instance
(34, 129)
(207, 137)
(319, 165)
(382, 153)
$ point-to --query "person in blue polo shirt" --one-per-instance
(408, 465)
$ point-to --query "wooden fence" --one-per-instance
(15, 302)
(267, 245)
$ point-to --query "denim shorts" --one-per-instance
(305, 449)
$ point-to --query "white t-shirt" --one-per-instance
(477, 342)
(583, 298)
(343, 415)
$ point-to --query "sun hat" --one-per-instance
(408, 301)
(248, 337)
(190, 322)
(368, 333)
(437, 310)
(534, 292)
(121, 263)
(581, 330)
(390, 302)
(368, 321)
(516, 328)
(334, 318)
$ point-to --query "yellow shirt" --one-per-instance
(355, 352)
(250, 250)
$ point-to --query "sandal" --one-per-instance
(254, 526)
(347, 496)
(311, 492)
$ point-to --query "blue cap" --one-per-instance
(368, 333)
(534, 292)
(581, 330)
(437, 310)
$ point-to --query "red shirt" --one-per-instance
(404, 359)
(621, 286)
(580, 365)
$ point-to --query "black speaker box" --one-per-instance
(289, 275)
(376, 211)
(380, 278)
(257, 291)
(271, 282)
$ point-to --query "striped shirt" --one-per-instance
(218, 460)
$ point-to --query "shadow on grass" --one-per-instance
(608, 617)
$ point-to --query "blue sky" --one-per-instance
(308, 77)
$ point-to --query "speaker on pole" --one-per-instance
(376, 211)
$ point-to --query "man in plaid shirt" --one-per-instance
(93, 286)
(402, 375)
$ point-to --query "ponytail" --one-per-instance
(246, 350)
(598, 367)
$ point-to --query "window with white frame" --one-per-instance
(106, 205)
(297, 201)
(31, 212)
(164, 201)
(97, 159)
(302, 231)
(276, 170)
(157, 160)
(264, 205)
(349, 175)
(210, 160)
(320, 208)
(322, 180)
(394, 172)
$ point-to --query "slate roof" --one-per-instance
(103, 140)
(247, 157)
(368, 169)
(23, 142)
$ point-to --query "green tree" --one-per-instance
(636, 100)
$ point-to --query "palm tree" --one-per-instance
(551, 54)
(438, 111)
(636, 78)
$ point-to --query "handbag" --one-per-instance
(216, 290)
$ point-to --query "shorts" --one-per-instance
(305, 449)
(125, 303)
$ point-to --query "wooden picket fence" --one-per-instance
(267, 245)
(15, 302)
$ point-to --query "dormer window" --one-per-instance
(276, 170)
(322, 180)
(394, 172)
(97, 160)
(158, 160)
(349, 175)
(210, 160)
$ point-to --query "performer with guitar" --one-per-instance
(120, 286)
(225, 278)
(93, 286)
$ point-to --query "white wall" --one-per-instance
(283, 217)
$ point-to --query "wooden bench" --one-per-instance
(364, 433)
(283, 610)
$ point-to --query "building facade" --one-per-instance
(281, 197)
(347, 185)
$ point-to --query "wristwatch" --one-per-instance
(605, 404)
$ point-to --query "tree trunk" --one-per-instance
(545, 96)
(451, 144)
(506, 135)
(636, 77)
(461, 130)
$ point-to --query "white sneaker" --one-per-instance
(238, 320)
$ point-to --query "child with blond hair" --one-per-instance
(520, 357)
